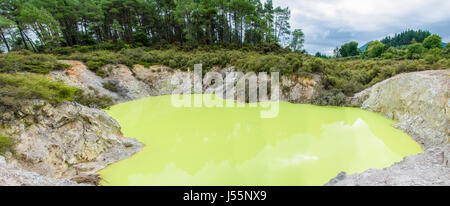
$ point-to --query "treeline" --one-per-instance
(406, 38)
(47, 24)
(429, 48)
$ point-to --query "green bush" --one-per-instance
(95, 65)
(109, 45)
(433, 41)
(387, 55)
(93, 100)
(330, 97)
(375, 49)
(110, 86)
(29, 62)
(31, 86)
(6, 145)
(349, 49)
(433, 55)
(447, 50)
(445, 63)
(62, 50)
(317, 65)
(95, 60)
(17, 87)
(415, 51)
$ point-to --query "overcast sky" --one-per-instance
(330, 23)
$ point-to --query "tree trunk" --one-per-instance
(242, 32)
(4, 40)
(31, 43)
(236, 30)
(23, 38)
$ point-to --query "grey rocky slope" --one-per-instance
(428, 169)
(139, 82)
(66, 141)
(11, 175)
(79, 76)
(419, 101)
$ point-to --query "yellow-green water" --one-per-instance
(304, 145)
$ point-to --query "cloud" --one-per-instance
(330, 23)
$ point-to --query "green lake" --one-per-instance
(303, 145)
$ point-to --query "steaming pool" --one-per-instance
(303, 145)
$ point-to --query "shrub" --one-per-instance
(433, 41)
(95, 65)
(62, 50)
(433, 55)
(29, 62)
(349, 49)
(95, 60)
(141, 39)
(31, 86)
(6, 145)
(16, 87)
(387, 55)
(447, 50)
(110, 86)
(317, 65)
(375, 49)
(415, 51)
(330, 97)
(112, 46)
(93, 100)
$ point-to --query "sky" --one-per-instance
(331, 23)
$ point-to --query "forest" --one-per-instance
(409, 44)
(405, 38)
(47, 24)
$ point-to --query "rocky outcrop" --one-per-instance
(429, 169)
(127, 86)
(419, 101)
(159, 78)
(11, 175)
(140, 82)
(80, 77)
(123, 85)
(68, 140)
(299, 89)
(358, 99)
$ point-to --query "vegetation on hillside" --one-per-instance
(28, 86)
(362, 73)
(405, 38)
(406, 45)
(348, 50)
(26, 61)
(16, 87)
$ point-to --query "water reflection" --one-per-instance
(304, 145)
